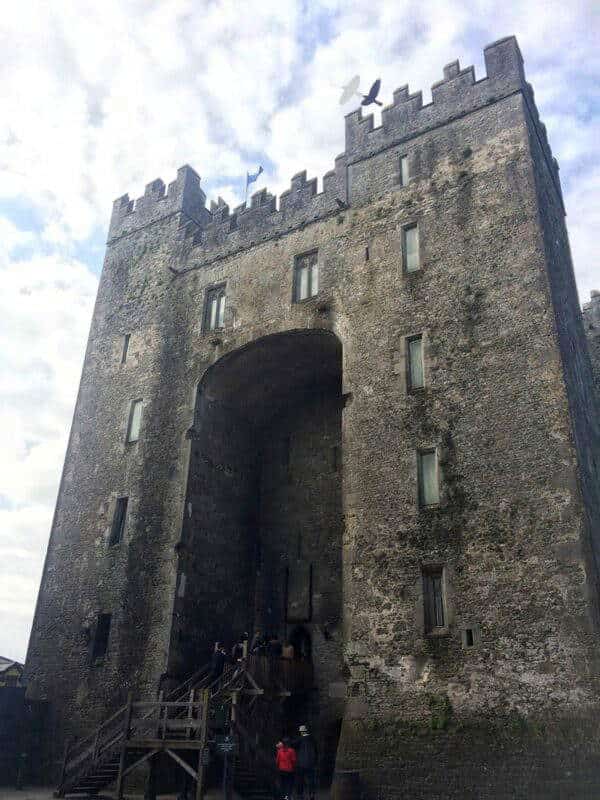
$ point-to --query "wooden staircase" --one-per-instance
(140, 730)
(182, 721)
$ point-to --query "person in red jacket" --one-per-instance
(285, 761)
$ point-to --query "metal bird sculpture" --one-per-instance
(349, 90)
(373, 92)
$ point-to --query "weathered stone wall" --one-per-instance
(506, 403)
(83, 576)
(301, 525)
(591, 321)
(218, 543)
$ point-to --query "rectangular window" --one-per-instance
(118, 523)
(427, 477)
(433, 598)
(404, 171)
(415, 367)
(306, 277)
(101, 636)
(125, 347)
(410, 248)
(135, 421)
(214, 310)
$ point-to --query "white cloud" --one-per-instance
(99, 99)
(45, 310)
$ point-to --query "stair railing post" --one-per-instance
(126, 733)
(188, 730)
(203, 741)
(162, 716)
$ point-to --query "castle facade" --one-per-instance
(361, 418)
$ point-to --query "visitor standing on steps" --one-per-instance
(285, 761)
(306, 771)
(239, 651)
(257, 643)
(217, 662)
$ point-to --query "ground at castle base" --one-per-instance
(48, 794)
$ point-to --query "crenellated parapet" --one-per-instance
(184, 195)
(458, 93)
(591, 311)
(221, 232)
(228, 232)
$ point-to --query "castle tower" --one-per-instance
(362, 418)
(591, 319)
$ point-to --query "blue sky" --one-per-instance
(99, 99)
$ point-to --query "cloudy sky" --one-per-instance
(98, 99)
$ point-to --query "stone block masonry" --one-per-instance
(278, 479)
(591, 319)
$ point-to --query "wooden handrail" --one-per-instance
(111, 732)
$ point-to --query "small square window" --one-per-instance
(214, 309)
(427, 478)
(404, 171)
(306, 276)
(471, 636)
(415, 372)
(126, 339)
(118, 523)
(434, 605)
(101, 635)
(410, 248)
(135, 421)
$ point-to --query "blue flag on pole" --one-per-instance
(251, 178)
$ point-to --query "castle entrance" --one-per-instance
(261, 546)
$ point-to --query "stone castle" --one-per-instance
(363, 419)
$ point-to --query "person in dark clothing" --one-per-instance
(257, 642)
(239, 649)
(306, 765)
(274, 647)
(217, 662)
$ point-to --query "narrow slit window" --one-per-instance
(214, 311)
(118, 523)
(125, 350)
(335, 458)
(306, 277)
(433, 599)
(135, 421)
(411, 248)
(100, 647)
(404, 171)
(427, 477)
(416, 371)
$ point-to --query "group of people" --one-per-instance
(261, 645)
(296, 761)
(297, 766)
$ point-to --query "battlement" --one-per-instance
(455, 95)
(591, 309)
(184, 195)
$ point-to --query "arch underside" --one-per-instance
(262, 537)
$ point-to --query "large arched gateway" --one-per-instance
(261, 545)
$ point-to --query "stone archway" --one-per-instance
(262, 538)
